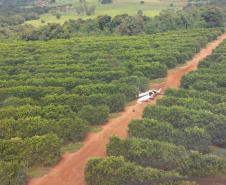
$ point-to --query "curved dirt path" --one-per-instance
(69, 171)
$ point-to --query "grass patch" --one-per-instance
(37, 172)
(100, 10)
(114, 115)
(95, 129)
(130, 103)
(158, 80)
(219, 152)
(175, 69)
(71, 148)
(182, 65)
(131, 7)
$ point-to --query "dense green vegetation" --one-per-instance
(220, 3)
(51, 93)
(103, 25)
(145, 152)
(117, 171)
(56, 84)
(175, 134)
(14, 15)
(131, 25)
(90, 9)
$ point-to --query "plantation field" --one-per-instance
(52, 93)
(174, 137)
(149, 8)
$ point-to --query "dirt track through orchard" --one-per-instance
(70, 170)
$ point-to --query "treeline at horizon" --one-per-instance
(190, 17)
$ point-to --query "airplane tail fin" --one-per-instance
(159, 91)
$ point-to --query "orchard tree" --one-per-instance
(115, 170)
(94, 115)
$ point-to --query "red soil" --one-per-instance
(70, 170)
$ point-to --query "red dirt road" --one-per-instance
(70, 170)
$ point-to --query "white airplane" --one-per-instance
(150, 94)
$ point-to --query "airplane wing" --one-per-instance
(148, 94)
(143, 98)
(143, 94)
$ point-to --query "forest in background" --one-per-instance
(57, 81)
(14, 16)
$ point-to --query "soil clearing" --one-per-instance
(70, 170)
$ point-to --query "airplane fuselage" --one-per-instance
(150, 94)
